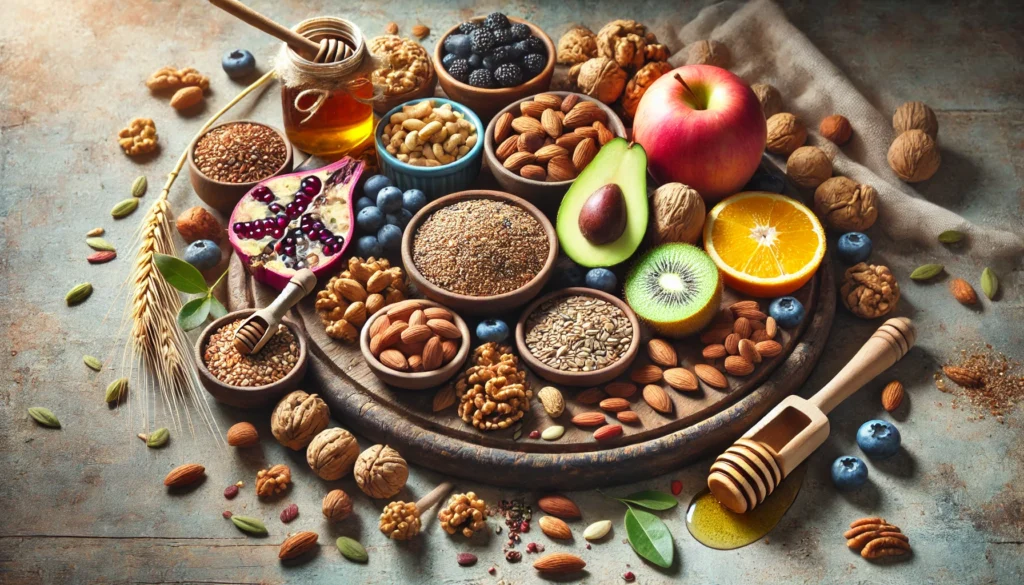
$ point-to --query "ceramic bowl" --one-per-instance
(487, 102)
(433, 181)
(224, 196)
(484, 305)
(415, 380)
(249, 396)
(595, 377)
(546, 195)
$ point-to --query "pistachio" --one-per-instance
(158, 438)
(93, 362)
(116, 390)
(951, 236)
(124, 208)
(926, 271)
(139, 186)
(989, 283)
(249, 525)
(352, 550)
(98, 243)
(78, 294)
(44, 416)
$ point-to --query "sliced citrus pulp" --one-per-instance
(766, 245)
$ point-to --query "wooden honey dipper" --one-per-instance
(326, 51)
(750, 469)
(253, 333)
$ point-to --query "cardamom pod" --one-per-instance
(94, 232)
(989, 283)
(352, 550)
(116, 390)
(124, 208)
(97, 243)
(94, 363)
(78, 294)
(951, 236)
(139, 186)
(249, 525)
(158, 438)
(927, 271)
(44, 416)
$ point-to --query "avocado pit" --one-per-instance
(603, 216)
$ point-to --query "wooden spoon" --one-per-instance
(327, 51)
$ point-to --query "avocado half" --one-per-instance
(620, 163)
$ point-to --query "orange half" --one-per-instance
(766, 245)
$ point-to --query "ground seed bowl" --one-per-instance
(568, 378)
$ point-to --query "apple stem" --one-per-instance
(679, 78)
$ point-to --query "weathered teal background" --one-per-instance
(85, 504)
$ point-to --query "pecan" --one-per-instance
(886, 546)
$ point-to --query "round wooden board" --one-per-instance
(701, 421)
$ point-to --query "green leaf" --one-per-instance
(951, 236)
(44, 416)
(217, 310)
(194, 313)
(249, 525)
(181, 275)
(352, 550)
(926, 271)
(989, 283)
(651, 499)
(649, 537)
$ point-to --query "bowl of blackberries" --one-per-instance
(491, 61)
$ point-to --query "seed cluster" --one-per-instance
(272, 363)
(240, 153)
(1001, 387)
(480, 247)
(578, 333)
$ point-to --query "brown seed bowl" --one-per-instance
(578, 378)
(249, 396)
(487, 102)
(546, 195)
(224, 196)
(470, 305)
(415, 380)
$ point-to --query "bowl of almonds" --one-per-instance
(415, 344)
(536, 147)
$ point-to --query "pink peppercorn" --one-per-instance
(531, 547)
(534, 434)
(230, 492)
(227, 514)
(628, 577)
(492, 570)
(524, 526)
(290, 513)
(677, 486)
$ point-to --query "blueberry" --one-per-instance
(492, 330)
(238, 63)
(404, 216)
(390, 219)
(368, 246)
(878, 439)
(389, 199)
(413, 200)
(364, 202)
(787, 311)
(369, 219)
(854, 247)
(515, 52)
(460, 45)
(374, 184)
(390, 237)
(764, 180)
(490, 63)
(447, 59)
(566, 274)
(849, 473)
(475, 61)
(601, 279)
(203, 254)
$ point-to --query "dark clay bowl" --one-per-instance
(595, 377)
(484, 305)
(249, 396)
(224, 196)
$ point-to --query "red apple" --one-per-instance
(701, 126)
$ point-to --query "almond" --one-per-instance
(585, 113)
(716, 334)
(560, 168)
(752, 314)
(748, 350)
(620, 389)
(417, 333)
(568, 102)
(415, 363)
(433, 355)
(587, 132)
(892, 395)
(183, 475)
(532, 108)
(744, 305)
(738, 365)
(552, 401)
(559, 563)
(768, 348)
(375, 342)
(604, 135)
(627, 417)
(584, 152)
(614, 404)
(243, 434)
(656, 397)
(402, 310)
(963, 291)
(607, 432)
(711, 376)
(391, 28)
(546, 153)
(554, 527)
(531, 141)
(759, 336)
(420, 31)
(559, 506)
(392, 358)
(449, 349)
(393, 334)
(771, 327)
(379, 325)
(646, 374)
(297, 545)
(592, 396)
(588, 419)
(662, 353)
(418, 317)
(681, 379)
(527, 124)
(551, 123)
(186, 97)
(742, 327)
(445, 329)
(569, 141)
(518, 160)
(533, 173)
(507, 148)
(503, 127)
(963, 376)
(714, 351)
(438, 313)
(549, 100)
(732, 343)
(445, 398)
(409, 349)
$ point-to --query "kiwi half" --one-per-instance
(675, 288)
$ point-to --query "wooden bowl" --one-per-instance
(249, 396)
(594, 378)
(389, 102)
(224, 196)
(485, 305)
(487, 102)
(544, 194)
(415, 380)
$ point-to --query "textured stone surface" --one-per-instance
(85, 504)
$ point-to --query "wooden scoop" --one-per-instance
(253, 333)
(327, 51)
(749, 470)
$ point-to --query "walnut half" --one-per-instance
(869, 291)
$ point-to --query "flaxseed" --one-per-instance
(578, 333)
(239, 153)
(273, 362)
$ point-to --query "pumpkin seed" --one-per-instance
(249, 525)
(158, 438)
(124, 208)
(927, 271)
(139, 186)
(93, 362)
(597, 530)
(352, 550)
(44, 416)
(116, 390)
(989, 283)
(951, 236)
(553, 433)
(98, 243)
(78, 294)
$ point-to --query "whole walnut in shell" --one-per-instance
(915, 116)
(463, 512)
(600, 78)
(770, 98)
(400, 521)
(337, 506)
(677, 214)
(624, 41)
(709, 52)
(785, 134)
(637, 86)
(332, 453)
(297, 418)
(577, 45)
(381, 472)
(869, 291)
(914, 157)
(808, 167)
(845, 205)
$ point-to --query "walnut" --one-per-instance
(836, 128)
(808, 167)
(914, 157)
(332, 453)
(677, 214)
(494, 393)
(709, 52)
(600, 78)
(915, 116)
(405, 64)
(656, 52)
(297, 418)
(869, 291)
(273, 481)
(139, 137)
(624, 42)
(770, 98)
(171, 78)
(577, 45)
(337, 506)
(465, 512)
(785, 134)
(400, 521)
(637, 87)
(350, 297)
(844, 205)
(381, 472)
(196, 223)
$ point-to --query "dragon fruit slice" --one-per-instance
(295, 221)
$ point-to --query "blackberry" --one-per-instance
(459, 69)
(533, 64)
(502, 36)
(475, 61)
(519, 31)
(502, 54)
(515, 52)
(482, 40)
(496, 20)
(447, 59)
(508, 75)
(461, 45)
(468, 27)
(534, 45)
(482, 78)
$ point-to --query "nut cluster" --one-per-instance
(173, 79)
(381, 472)
(400, 520)
(427, 136)
(362, 290)
(869, 291)
(741, 336)
(493, 393)
(273, 481)
(332, 453)
(576, 46)
(139, 137)
(405, 64)
(413, 337)
(876, 538)
(464, 513)
(297, 418)
(553, 139)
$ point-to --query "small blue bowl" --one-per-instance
(433, 181)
